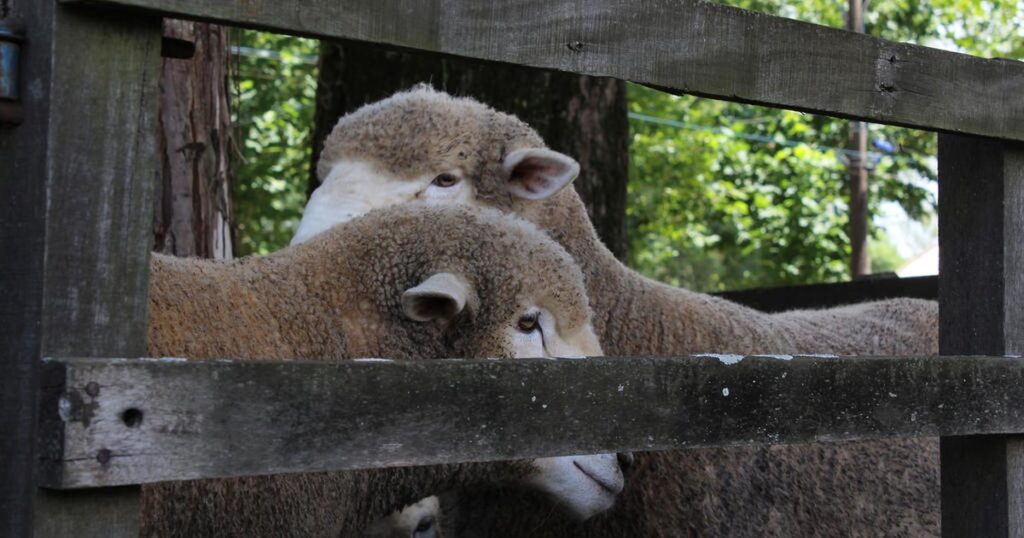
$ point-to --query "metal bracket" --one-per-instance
(11, 38)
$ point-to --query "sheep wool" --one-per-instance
(339, 297)
(887, 487)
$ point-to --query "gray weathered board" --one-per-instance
(682, 45)
(76, 182)
(981, 311)
(113, 421)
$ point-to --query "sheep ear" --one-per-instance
(538, 173)
(440, 297)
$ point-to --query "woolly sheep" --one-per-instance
(418, 520)
(404, 283)
(427, 145)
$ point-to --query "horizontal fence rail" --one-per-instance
(684, 46)
(783, 298)
(127, 421)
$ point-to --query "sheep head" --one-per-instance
(425, 145)
(587, 484)
(472, 282)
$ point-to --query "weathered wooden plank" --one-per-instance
(74, 223)
(116, 421)
(834, 294)
(981, 308)
(685, 46)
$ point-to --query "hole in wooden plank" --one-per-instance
(176, 48)
(131, 417)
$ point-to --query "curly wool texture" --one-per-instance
(750, 491)
(422, 130)
(866, 488)
(336, 298)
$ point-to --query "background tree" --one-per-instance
(193, 216)
(273, 115)
(581, 116)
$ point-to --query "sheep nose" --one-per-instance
(626, 460)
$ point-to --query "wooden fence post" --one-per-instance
(76, 185)
(981, 306)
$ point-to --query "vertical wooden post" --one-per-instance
(981, 307)
(75, 221)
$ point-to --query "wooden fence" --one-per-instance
(75, 217)
(828, 295)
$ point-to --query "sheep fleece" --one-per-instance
(335, 298)
(855, 489)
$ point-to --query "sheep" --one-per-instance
(417, 520)
(404, 283)
(427, 145)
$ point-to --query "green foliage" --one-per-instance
(984, 28)
(735, 196)
(884, 257)
(729, 196)
(274, 107)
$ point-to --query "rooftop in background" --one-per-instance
(925, 263)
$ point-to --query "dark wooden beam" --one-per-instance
(75, 218)
(834, 294)
(686, 46)
(111, 422)
(981, 308)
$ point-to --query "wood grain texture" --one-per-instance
(686, 46)
(224, 418)
(102, 158)
(194, 212)
(981, 294)
(74, 224)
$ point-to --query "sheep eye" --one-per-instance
(529, 322)
(445, 180)
(425, 528)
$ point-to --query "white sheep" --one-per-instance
(427, 145)
(418, 520)
(403, 283)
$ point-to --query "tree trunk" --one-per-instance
(193, 216)
(856, 168)
(584, 117)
